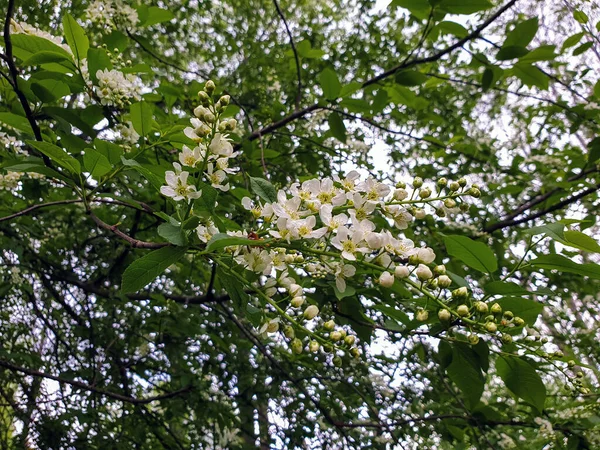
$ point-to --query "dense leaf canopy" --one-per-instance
(311, 224)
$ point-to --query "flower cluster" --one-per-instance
(10, 181)
(24, 28)
(209, 159)
(116, 88)
(109, 13)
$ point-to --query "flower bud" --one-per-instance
(335, 336)
(519, 322)
(425, 193)
(464, 207)
(444, 315)
(559, 354)
(329, 325)
(296, 346)
(422, 315)
(491, 327)
(400, 194)
(440, 212)
(311, 312)
(299, 259)
(337, 361)
(400, 185)
(463, 310)
(209, 87)
(199, 111)
(423, 272)
(209, 117)
(349, 340)
(289, 332)
(439, 270)
(297, 302)
(473, 339)
(462, 182)
(343, 333)
(417, 182)
(401, 272)
(272, 326)
(354, 352)
(313, 346)
(386, 279)
(231, 124)
(419, 213)
(474, 192)
(496, 308)
(295, 290)
(454, 186)
(571, 363)
(507, 338)
(289, 259)
(442, 182)
(481, 307)
(508, 315)
(460, 293)
(444, 281)
(224, 100)
(450, 203)
(327, 348)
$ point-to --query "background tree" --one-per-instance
(131, 319)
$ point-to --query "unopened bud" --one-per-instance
(442, 182)
(401, 272)
(508, 315)
(423, 272)
(450, 203)
(289, 332)
(444, 315)
(297, 302)
(400, 194)
(417, 182)
(386, 279)
(400, 185)
(454, 186)
(496, 308)
(518, 321)
(462, 182)
(425, 193)
(439, 270)
(329, 325)
(337, 361)
(444, 281)
(473, 339)
(354, 352)
(460, 293)
(420, 213)
(463, 310)
(481, 307)
(474, 192)
(422, 315)
(224, 100)
(335, 336)
(296, 346)
(311, 312)
(313, 346)
(349, 340)
(491, 327)
(507, 338)
(209, 87)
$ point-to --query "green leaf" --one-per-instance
(474, 254)
(525, 308)
(581, 241)
(155, 15)
(50, 90)
(117, 40)
(464, 6)
(46, 56)
(264, 189)
(75, 37)
(305, 50)
(580, 16)
(234, 288)
(465, 372)
(522, 34)
(522, 380)
(511, 52)
(111, 151)
(171, 233)
(97, 59)
(594, 150)
(542, 53)
(572, 41)
(410, 78)
(141, 117)
(563, 264)
(329, 82)
(337, 127)
(145, 269)
(582, 48)
(453, 28)
(25, 46)
(505, 288)
(531, 75)
(58, 155)
(222, 240)
(96, 163)
(419, 8)
(19, 122)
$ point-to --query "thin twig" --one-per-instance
(134, 242)
(295, 51)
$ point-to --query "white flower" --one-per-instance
(25, 28)
(189, 157)
(257, 211)
(400, 216)
(362, 207)
(324, 191)
(285, 207)
(386, 279)
(220, 145)
(425, 255)
(342, 272)
(330, 221)
(257, 260)
(199, 130)
(282, 232)
(128, 133)
(400, 194)
(177, 187)
(349, 182)
(271, 326)
(348, 243)
(374, 190)
(303, 228)
(216, 178)
(117, 89)
(206, 232)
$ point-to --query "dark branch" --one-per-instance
(79, 385)
(134, 242)
(298, 67)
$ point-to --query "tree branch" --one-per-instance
(79, 385)
(134, 242)
(297, 59)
